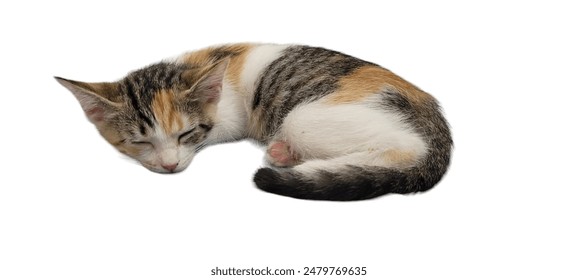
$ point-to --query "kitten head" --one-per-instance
(158, 115)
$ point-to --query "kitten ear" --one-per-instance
(96, 99)
(208, 88)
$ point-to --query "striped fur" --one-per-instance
(337, 127)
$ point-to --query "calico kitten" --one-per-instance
(337, 127)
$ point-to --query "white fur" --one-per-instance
(166, 148)
(354, 134)
(258, 58)
(231, 119)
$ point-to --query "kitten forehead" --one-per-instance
(159, 75)
(164, 111)
(150, 92)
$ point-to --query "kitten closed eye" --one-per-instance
(142, 143)
(206, 127)
(186, 134)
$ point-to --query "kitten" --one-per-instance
(337, 127)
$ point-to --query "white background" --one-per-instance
(71, 207)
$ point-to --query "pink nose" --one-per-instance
(170, 167)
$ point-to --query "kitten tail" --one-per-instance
(351, 182)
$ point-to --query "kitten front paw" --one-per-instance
(280, 154)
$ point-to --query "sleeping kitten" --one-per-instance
(337, 127)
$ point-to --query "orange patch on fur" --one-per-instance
(207, 57)
(400, 159)
(369, 80)
(200, 57)
(233, 74)
(164, 111)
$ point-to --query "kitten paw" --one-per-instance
(280, 154)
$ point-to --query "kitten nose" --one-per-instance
(170, 167)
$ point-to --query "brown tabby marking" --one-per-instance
(369, 80)
(163, 108)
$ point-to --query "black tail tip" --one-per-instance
(282, 183)
(266, 178)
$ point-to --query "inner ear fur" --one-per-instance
(98, 100)
(208, 82)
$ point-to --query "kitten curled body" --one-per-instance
(336, 127)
